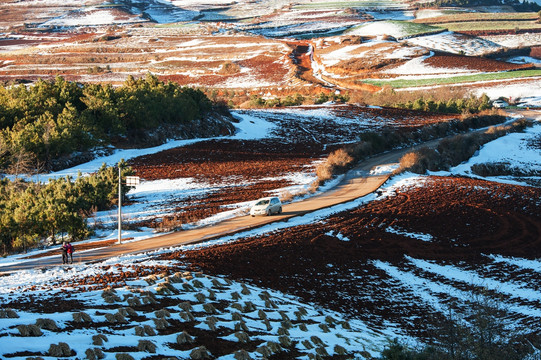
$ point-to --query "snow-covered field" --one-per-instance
(456, 44)
(158, 312)
(334, 332)
(517, 150)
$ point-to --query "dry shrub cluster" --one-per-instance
(453, 151)
(337, 162)
(372, 143)
(229, 68)
(502, 169)
(60, 350)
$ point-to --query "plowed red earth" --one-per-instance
(240, 167)
(249, 169)
(466, 218)
(215, 160)
(472, 63)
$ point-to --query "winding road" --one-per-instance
(356, 183)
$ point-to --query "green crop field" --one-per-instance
(349, 4)
(415, 29)
(468, 17)
(404, 83)
(492, 25)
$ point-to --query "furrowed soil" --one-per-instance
(340, 262)
(244, 170)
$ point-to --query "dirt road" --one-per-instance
(357, 183)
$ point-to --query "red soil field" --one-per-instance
(216, 160)
(472, 63)
(466, 218)
(242, 169)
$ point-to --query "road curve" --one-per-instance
(356, 183)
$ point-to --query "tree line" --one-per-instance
(470, 104)
(31, 211)
(56, 119)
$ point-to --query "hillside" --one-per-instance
(214, 104)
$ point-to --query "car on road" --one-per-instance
(267, 206)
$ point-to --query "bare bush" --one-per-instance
(59, 350)
(47, 324)
(99, 339)
(29, 330)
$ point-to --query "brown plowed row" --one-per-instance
(467, 219)
(215, 160)
(472, 63)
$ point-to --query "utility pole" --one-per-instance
(131, 181)
(119, 205)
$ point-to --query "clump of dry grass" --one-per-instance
(209, 308)
(110, 296)
(229, 68)
(99, 339)
(337, 161)
(242, 336)
(185, 305)
(184, 338)
(165, 288)
(200, 353)
(8, 314)
(145, 330)
(211, 322)
(162, 313)
(29, 330)
(242, 355)
(452, 151)
(134, 302)
(94, 354)
(123, 356)
(81, 317)
(116, 318)
(59, 350)
(161, 323)
(146, 346)
(47, 324)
